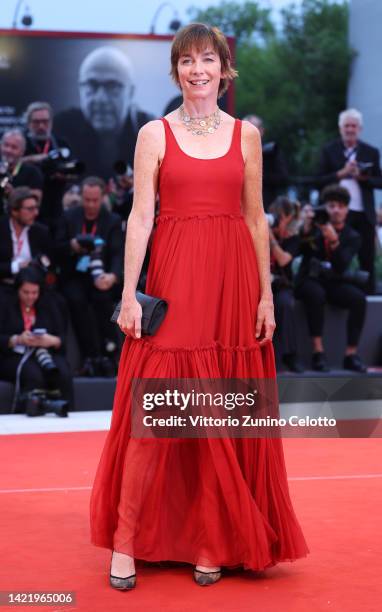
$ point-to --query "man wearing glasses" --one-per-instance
(21, 237)
(40, 141)
(104, 129)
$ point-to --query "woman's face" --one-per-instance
(29, 294)
(199, 74)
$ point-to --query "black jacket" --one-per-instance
(86, 143)
(108, 227)
(333, 159)
(40, 242)
(312, 245)
(11, 321)
(54, 188)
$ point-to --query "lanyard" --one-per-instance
(29, 317)
(45, 148)
(16, 169)
(92, 231)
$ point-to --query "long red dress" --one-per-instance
(204, 501)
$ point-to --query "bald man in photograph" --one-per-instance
(104, 129)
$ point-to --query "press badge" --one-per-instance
(83, 263)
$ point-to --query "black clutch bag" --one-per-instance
(153, 312)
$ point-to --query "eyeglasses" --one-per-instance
(30, 208)
(42, 121)
(111, 86)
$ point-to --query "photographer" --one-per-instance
(22, 239)
(284, 244)
(90, 252)
(32, 331)
(356, 165)
(14, 172)
(46, 150)
(328, 245)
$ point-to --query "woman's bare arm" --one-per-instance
(257, 223)
(140, 221)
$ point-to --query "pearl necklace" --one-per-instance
(199, 126)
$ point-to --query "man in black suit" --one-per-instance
(22, 239)
(105, 127)
(40, 141)
(328, 249)
(89, 247)
(18, 173)
(356, 165)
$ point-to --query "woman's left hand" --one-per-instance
(265, 320)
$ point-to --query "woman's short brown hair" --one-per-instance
(198, 36)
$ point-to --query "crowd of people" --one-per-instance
(62, 244)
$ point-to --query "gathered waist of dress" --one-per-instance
(202, 216)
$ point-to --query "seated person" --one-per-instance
(89, 247)
(22, 239)
(285, 244)
(32, 329)
(328, 246)
(17, 172)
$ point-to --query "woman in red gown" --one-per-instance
(209, 502)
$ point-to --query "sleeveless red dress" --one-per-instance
(204, 501)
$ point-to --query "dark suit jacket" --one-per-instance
(39, 239)
(108, 228)
(312, 245)
(11, 321)
(333, 159)
(86, 143)
(54, 189)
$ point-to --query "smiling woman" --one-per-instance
(210, 502)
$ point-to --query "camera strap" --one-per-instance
(45, 148)
(29, 351)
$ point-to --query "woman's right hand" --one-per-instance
(130, 318)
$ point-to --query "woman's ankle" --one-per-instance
(204, 568)
(121, 563)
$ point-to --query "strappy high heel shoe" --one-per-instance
(122, 584)
(206, 578)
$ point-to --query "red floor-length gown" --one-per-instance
(204, 501)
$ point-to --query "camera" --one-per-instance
(41, 262)
(360, 278)
(321, 215)
(92, 262)
(58, 160)
(45, 360)
(37, 403)
(273, 220)
(42, 355)
(320, 269)
(323, 270)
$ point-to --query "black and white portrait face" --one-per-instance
(106, 88)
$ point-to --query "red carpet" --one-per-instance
(46, 547)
